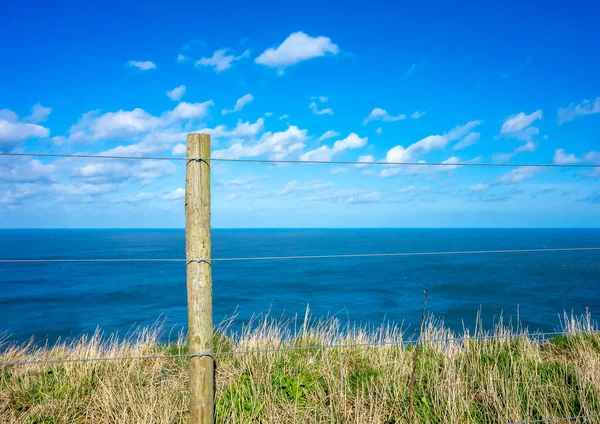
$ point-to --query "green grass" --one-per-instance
(476, 381)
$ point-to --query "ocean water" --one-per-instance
(48, 301)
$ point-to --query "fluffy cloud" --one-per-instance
(310, 187)
(39, 114)
(469, 140)
(178, 193)
(340, 170)
(25, 170)
(400, 154)
(349, 196)
(123, 125)
(527, 147)
(102, 172)
(315, 109)
(14, 131)
(179, 149)
(239, 104)
(328, 134)
(142, 66)
(241, 130)
(517, 175)
(447, 165)
(296, 48)
(176, 93)
(221, 59)
(364, 158)
(326, 153)
(278, 146)
(378, 131)
(519, 126)
(323, 191)
(379, 114)
(417, 115)
(134, 199)
(573, 111)
(561, 157)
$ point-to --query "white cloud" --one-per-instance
(592, 156)
(25, 170)
(188, 111)
(123, 125)
(179, 149)
(176, 93)
(282, 117)
(39, 114)
(13, 131)
(379, 114)
(480, 187)
(573, 111)
(364, 158)
(242, 129)
(143, 172)
(142, 66)
(310, 187)
(503, 157)
(417, 115)
(325, 153)
(182, 58)
(449, 164)
(323, 191)
(469, 140)
(239, 104)
(519, 126)
(340, 170)
(315, 109)
(562, 158)
(378, 131)
(328, 134)
(364, 197)
(138, 198)
(407, 189)
(221, 59)
(81, 189)
(517, 175)
(267, 114)
(178, 193)
(296, 48)
(279, 145)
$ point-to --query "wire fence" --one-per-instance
(447, 340)
(305, 257)
(540, 337)
(309, 162)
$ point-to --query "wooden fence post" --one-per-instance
(199, 279)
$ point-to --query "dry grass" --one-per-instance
(492, 381)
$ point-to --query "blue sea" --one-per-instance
(48, 301)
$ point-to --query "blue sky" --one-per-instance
(499, 83)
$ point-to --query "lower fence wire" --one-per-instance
(542, 336)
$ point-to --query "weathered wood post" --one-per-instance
(199, 279)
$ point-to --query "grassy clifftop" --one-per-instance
(470, 381)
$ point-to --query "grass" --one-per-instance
(476, 381)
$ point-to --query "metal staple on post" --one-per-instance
(199, 279)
